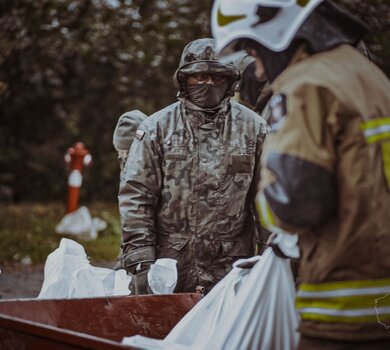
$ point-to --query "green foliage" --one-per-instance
(69, 69)
(375, 14)
(28, 232)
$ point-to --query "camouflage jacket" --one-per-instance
(188, 190)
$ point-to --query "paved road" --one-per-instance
(21, 281)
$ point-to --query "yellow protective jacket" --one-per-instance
(326, 176)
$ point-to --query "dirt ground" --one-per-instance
(25, 281)
(21, 281)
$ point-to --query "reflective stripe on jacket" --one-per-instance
(326, 175)
(349, 301)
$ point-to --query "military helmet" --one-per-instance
(126, 128)
(201, 56)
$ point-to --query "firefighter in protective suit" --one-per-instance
(189, 184)
(325, 170)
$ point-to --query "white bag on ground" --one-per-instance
(68, 274)
(80, 223)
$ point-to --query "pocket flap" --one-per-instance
(241, 163)
(175, 241)
(237, 248)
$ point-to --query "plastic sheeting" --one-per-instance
(264, 316)
(68, 274)
(248, 309)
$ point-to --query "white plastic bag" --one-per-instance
(85, 283)
(287, 243)
(201, 323)
(59, 267)
(162, 276)
(248, 309)
(81, 224)
(145, 343)
(264, 316)
(68, 274)
(121, 283)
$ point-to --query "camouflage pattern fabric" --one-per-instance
(188, 190)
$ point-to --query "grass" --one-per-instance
(27, 232)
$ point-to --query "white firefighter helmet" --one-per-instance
(272, 23)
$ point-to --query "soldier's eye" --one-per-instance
(218, 78)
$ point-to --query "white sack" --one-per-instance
(248, 309)
(68, 274)
(145, 343)
(287, 243)
(121, 283)
(80, 223)
(60, 264)
(201, 323)
(264, 316)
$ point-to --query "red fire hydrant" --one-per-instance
(77, 157)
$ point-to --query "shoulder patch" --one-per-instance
(278, 111)
(139, 134)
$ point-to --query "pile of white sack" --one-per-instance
(68, 274)
(251, 308)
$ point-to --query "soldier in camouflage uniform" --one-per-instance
(122, 139)
(190, 179)
(124, 134)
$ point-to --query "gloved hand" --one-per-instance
(278, 252)
(284, 244)
(139, 281)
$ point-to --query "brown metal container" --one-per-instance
(95, 323)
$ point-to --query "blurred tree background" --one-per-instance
(69, 69)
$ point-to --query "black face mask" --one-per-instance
(207, 95)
